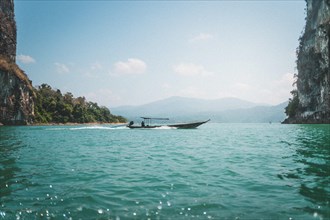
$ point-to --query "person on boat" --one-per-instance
(131, 123)
(142, 124)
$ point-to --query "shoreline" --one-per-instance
(73, 124)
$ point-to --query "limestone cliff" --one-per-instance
(16, 92)
(7, 30)
(313, 82)
(16, 95)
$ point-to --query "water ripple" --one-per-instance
(219, 171)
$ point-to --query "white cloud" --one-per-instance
(94, 70)
(201, 37)
(281, 88)
(286, 80)
(131, 66)
(61, 68)
(26, 59)
(96, 66)
(166, 86)
(242, 87)
(191, 69)
(104, 97)
(238, 90)
(272, 92)
(193, 92)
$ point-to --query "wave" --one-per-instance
(55, 129)
(99, 128)
(165, 127)
(116, 127)
(96, 127)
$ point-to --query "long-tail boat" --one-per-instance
(146, 123)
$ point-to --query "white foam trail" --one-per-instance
(165, 127)
(55, 129)
(98, 128)
(89, 128)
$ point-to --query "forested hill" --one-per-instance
(51, 106)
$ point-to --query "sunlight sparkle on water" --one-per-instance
(2, 214)
(128, 175)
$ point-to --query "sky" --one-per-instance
(134, 52)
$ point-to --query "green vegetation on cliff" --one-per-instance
(51, 106)
(8, 66)
(310, 102)
(293, 105)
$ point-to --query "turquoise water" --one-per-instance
(218, 171)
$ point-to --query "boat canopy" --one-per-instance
(148, 118)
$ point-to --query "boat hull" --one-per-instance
(188, 125)
(142, 127)
(178, 126)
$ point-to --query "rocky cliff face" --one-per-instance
(16, 95)
(7, 30)
(313, 82)
(16, 92)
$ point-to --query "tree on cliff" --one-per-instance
(51, 106)
(292, 107)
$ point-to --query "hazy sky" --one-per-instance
(133, 52)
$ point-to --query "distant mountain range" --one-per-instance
(218, 110)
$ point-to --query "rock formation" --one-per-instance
(313, 82)
(16, 93)
(7, 30)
